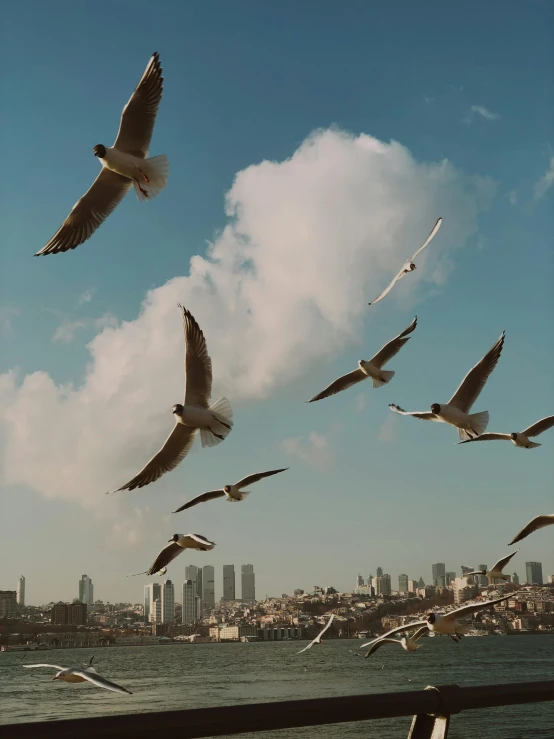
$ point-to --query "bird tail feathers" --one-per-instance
(532, 444)
(386, 376)
(223, 422)
(156, 170)
(479, 423)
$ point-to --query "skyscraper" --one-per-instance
(86, 590)
(208, 586)
(168, 602)
(515, 578)
(534, 573)
(194, 573)
(402, 583)
(152, 593)
(439, 574)
(483, 580)
(229, 582)
(383, 585)
(191, 603)
(450, 577)
(21, 591)
(248, 582)
(379, 572)
(360, 581)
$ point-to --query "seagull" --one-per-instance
(317, 640)
(83, 674)
(233, 493)
(520, 439)
(178, 544)
(408, 266)
(537, 523)
(124, 165)
(215, 421)
(456, 411)
(409, 643)
(495, 573)
(371, 368)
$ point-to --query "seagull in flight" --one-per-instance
(81, 675)
(214, 422)
(537, 523)
(178, 544)
(495, 573)
(233, 493)
(317, 640)
(408, 266)
(409, 643)
(124, 165)
(456, 411)
(372, 368)
(520, 439)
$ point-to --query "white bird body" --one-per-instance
(196, 417)
(376, 373)
(523, 441)
(455, 417)
(520, 439)
(177, 545)
(122, 163)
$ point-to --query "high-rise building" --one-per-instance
(483, 580)
(515, 578)
(439, 574)
(152, 593)
(383, 585)
(450, 577)
(8, 603)
(156, 611)
(360, 582)
(402, 583)
(195, 574)
(379, 572)
(192, 609)
(21, 591)
(86, 590)
(412, 586)
(248, 582)
(534, 573)
(74, 613)
(229, 582)
(168, 602)
(463, 590)
(208, 577)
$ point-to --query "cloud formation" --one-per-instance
(67, 330)
(316, 451)
(545, 182)
(308, 241)
(482, 112)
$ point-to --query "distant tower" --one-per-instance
(191, 603)
(194, 573)
(152, 593)
(229, 582)
(21, 591)
(360, 581)
(439, 574)
(86, 590)
(483, 580)
(248, 582)
(379, 572)
(402, 583)
(209, 586)
(534, 573)
(515, 578)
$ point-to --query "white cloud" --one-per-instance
(480, 110)
(86, 296)
(285, 285)
(67, 330)
(512, 197)
(387, 432)
(316, 451)
(6, 315)
(545, 182)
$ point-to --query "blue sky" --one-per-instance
(466, 92)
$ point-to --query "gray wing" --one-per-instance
(387, 290)
(429, 238)
(537, 428)
(473, 608)
(487, 437)
(257, 477)
(324, 629)
(201, 540)
(166, 556)
(407, 627)
(308, 647)
(378, 644)
(393, 347)
(420, 632)
(174, 450)
(342, 383)
(54, 667)
(537, 523)
(423, 415)
(472, 384)
(212, 495)
(198, 365)
(499, 566)
(100, 681)
(88, 213)
(139, 115)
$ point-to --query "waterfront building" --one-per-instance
(167, 602)
(74, 614)
(8, 603)
(86, 590)
(208, 595)
(229, 582)
(248, 583)
(21, 591)
(156, 611)
(224, 632)
(402, 583)
(534, 573)
(192, 604)
(152, 592)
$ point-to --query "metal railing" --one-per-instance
(431, 710)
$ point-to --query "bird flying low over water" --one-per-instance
(124, 165)
(81, 675)
(520, 439)
(409, 643)
(456, 411)
(214, 422)
(317, 640)
(408, 266)
(495, 573)
(370, 368)
(178, 544)
(233, 493)
(537, 523)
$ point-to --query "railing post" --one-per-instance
(435, 726)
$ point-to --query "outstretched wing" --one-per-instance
(198, 365)
(54, 667)
(212, 495)
(166, 556)
(342, 383)
(139, 115)
(537, 428)
(420, 632)
(393, 347)
(537, 523)
(499, 566)
(387, 290)
(473, 608)
(422, 415)
(398, 629)
(100, 681)
(257, 477)
(487, 437)
(378, 644)
(472, 384)
(429, 238)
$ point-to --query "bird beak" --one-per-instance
(54, 678)
(170, 539)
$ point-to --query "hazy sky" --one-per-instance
(312, 147)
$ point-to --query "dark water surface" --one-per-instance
(195, 676)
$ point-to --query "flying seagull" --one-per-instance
(233, 493)
(124, 165)
(372, 368)
(317, 640)
(178, 544)
(495, 573)
(408, 266)
(409, 643)
(81, 675)
(456, 411)
(520, 439)
(215, 421)
(537, 523)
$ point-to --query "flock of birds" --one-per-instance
(126, 165)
